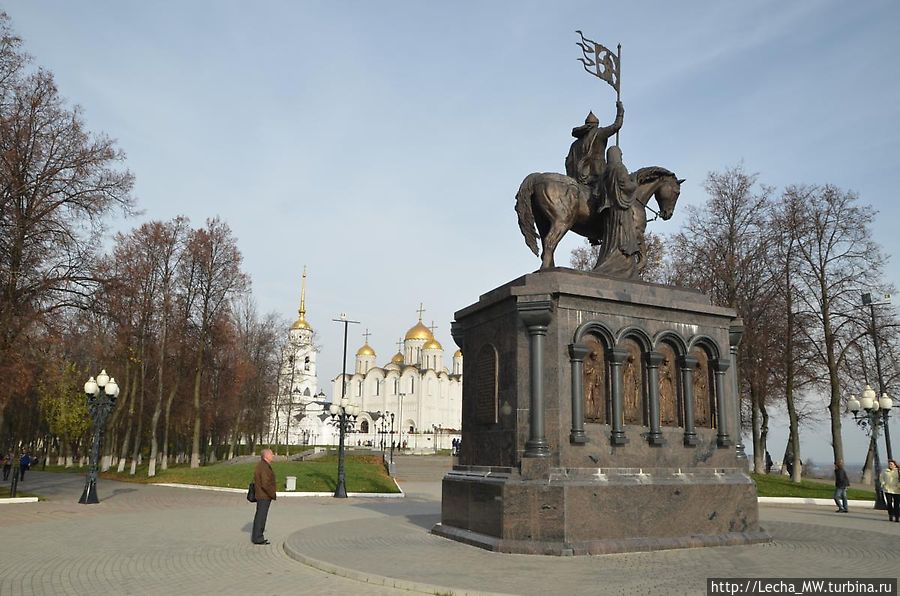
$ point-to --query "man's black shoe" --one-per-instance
(263, 542)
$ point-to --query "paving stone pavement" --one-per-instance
(153, 540)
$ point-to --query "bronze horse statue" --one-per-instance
(549, 205)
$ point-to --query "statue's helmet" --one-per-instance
(590, 123)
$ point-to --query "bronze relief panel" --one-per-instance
(704, 415)
(633, 383)
(595, 386)
(668, 387)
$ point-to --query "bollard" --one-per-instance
(290, 483)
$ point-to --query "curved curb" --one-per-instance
(380, 580)
(811, 501)
(224, 489)
(17, 500)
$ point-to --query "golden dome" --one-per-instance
(366, 350)
(432, 344)
(301, 323)
(457, 353)
(398, 358)
(420, 331)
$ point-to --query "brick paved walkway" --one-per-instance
(157, 540)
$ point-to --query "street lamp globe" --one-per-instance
(111, 389)
(102, 378)
(886, 402)
(91, 388)
(868, 398)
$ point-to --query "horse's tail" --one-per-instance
(526, 215)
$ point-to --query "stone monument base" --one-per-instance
(598, 511)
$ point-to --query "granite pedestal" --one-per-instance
(599, 416)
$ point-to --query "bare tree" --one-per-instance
(213, 264)
(835, 254)
(57, 183)
(797, 371)
(722, 251)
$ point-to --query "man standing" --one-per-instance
(841, 484)
(264, 478)
(24, 464)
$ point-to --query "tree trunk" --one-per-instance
(154, 421)
(867, 476)
(136, 451)
(759, 455)
(123, 454)
(165, 443)
(235, 433)
(793, 419)
(763, 431)
(195, 445)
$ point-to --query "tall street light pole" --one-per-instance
(101, 395)
(342, 412)
(867, 301)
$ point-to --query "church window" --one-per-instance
(364, 426)
(306, 363)
(412, 385)
(359, 388)
(306, 392)
(377, 387)
(396, 386)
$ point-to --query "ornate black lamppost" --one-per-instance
(341, 414)
(873, 417)
(101, 395)
(392, 439)
(344, 417)
(868, 301)
(437, 428)
(382, 430)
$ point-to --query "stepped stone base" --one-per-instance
(598, 511)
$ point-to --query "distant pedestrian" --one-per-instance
(24, 463)
(7, 466)
(768, 463)
(890, 484)
(841, 484)
(264, 478)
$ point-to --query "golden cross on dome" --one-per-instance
(421, 310)
(367, 334)
(400, 345)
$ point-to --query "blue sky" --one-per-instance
(381, 143)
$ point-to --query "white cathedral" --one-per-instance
(413, 400)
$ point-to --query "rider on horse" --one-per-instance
(586, 159)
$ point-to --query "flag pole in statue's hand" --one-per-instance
(618, 82)
(603, 64)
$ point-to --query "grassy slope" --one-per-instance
(364, 474)
(781, 486)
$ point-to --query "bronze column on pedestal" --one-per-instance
(536, 315)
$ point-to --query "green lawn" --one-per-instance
(363, 474)
(781, 486)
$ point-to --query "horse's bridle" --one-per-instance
(652, 210)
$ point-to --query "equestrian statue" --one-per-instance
(597, 197)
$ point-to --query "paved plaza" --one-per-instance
(145, 539)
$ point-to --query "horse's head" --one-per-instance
(667, 195)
